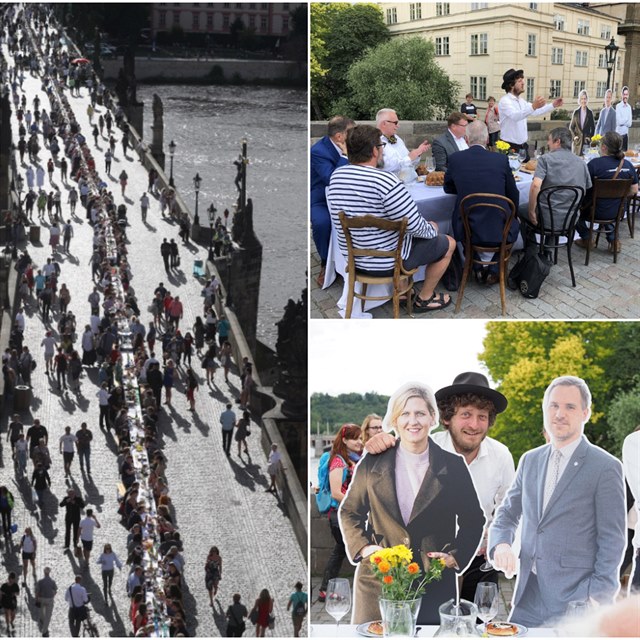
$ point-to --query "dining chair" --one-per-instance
(504, 208)
(400, 278)
(614, 190)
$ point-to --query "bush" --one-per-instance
(560, 114)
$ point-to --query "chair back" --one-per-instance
(372, 222)
(549, 201)
(612, 189)
(501, 206)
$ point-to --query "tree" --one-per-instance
(334, 411)
(524, 357)
(401, 74)
(340, 34)
(624, 417)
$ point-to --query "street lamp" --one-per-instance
(197, 181)
(611, 51)
(172, 150)
(212, 215)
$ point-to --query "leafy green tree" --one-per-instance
(340, 34)
(329, 413)
(401, 74)
(524, 357)
(624, 416)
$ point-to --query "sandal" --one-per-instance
(438, 299)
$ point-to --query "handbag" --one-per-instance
(253, 616)
(271, 621)
(530, 272)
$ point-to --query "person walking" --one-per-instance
(242, 431)
(225, 361)
(175, 255)
(27, 548)
(263, 607)
(144, 206)
(168, 380)
(165, 252)
(67, 234)
(192, 387)
(67, 448)
(73, 505)
(274, 467)
(236, 613)
(228, 422)
(87, 526)
(108, 156)
(46, 590)
(9, 601)
(123, 177)
(61, 366)
(40, 481)
(6, 507)
(213, 572)
(77, 598)
(64, 168)
(84, 436)
(298, 605)
(107, 560)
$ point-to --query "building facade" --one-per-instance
(560, 46)
(216, 18)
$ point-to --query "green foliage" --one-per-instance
(340, 34)
(624, 417)
(524, 357)
(401, 74)
(560, 114)
(329, 413)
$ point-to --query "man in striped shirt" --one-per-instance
(361, 188)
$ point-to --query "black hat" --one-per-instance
(471, 382)
(509, 76)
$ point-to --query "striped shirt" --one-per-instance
(360, 190)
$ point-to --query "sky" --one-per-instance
(380, 355)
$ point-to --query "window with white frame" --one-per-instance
(578, 86)
(531, 44)
(533, 6)
(601, 89)
(605, 31)
(479, 5)
(415, 11)
(530, 89)
(557, 55)
(392, 15)
(583, 27)
(442, 46)
(479, 44)
(558, 22)
(478, 87)
(602, 61)
(442, 8)
(582, 58)
(555, 90)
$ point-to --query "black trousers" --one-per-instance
(472, 576)
(338, 554)
(226, 440)
(68, 524)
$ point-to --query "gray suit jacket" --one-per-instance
(604, 125)
(441, 148)
(578, 542)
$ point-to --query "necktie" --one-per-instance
(553, 472)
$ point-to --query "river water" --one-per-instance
(207, 124)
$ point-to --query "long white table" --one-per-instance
(434, 205)
(349, 631)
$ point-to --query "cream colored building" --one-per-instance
(560, 46)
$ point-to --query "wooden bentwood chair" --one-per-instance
(505, 208)
(394, 278)
(615, 190)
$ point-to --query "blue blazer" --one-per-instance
(325, 159)
(476, 170)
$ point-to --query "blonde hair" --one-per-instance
(399, 399)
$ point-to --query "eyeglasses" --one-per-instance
(392, 121)
(462, 124)
(382, 144)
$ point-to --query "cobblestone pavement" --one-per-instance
(218, 501)
(603, 290)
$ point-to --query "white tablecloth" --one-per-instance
(349, 631)
(433, 204)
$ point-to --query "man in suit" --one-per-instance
(451, 141)
(570, 497)
(327, 154)
(477, 170)
(607, 117)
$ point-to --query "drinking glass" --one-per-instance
(429, 163)
(338, 600)
(486, 599)
(522, 154)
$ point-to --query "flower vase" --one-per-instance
(399, 617)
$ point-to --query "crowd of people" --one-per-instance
(114, 344)
(350, 158)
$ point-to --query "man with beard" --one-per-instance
(468, 408)
(360, 188)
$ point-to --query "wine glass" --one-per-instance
(537, 153)
(429, 163)
(486, 599)
(338, 600)
(522, 154)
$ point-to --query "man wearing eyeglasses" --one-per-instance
(395, 153)
(452, 140)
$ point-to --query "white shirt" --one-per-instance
(396, 156)
(631, 463)
(461, 143)
(68, 441)
(108, 560)
(76, 595)
(411, 468)
(49, 343)
(492, 471)
(623, 118)
(567, 451)
(87, 525)
(20, 321)
(513, 117)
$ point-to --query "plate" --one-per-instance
(522, 631)
(363, 630)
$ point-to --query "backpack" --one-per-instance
(530, 272)
(324, 501)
